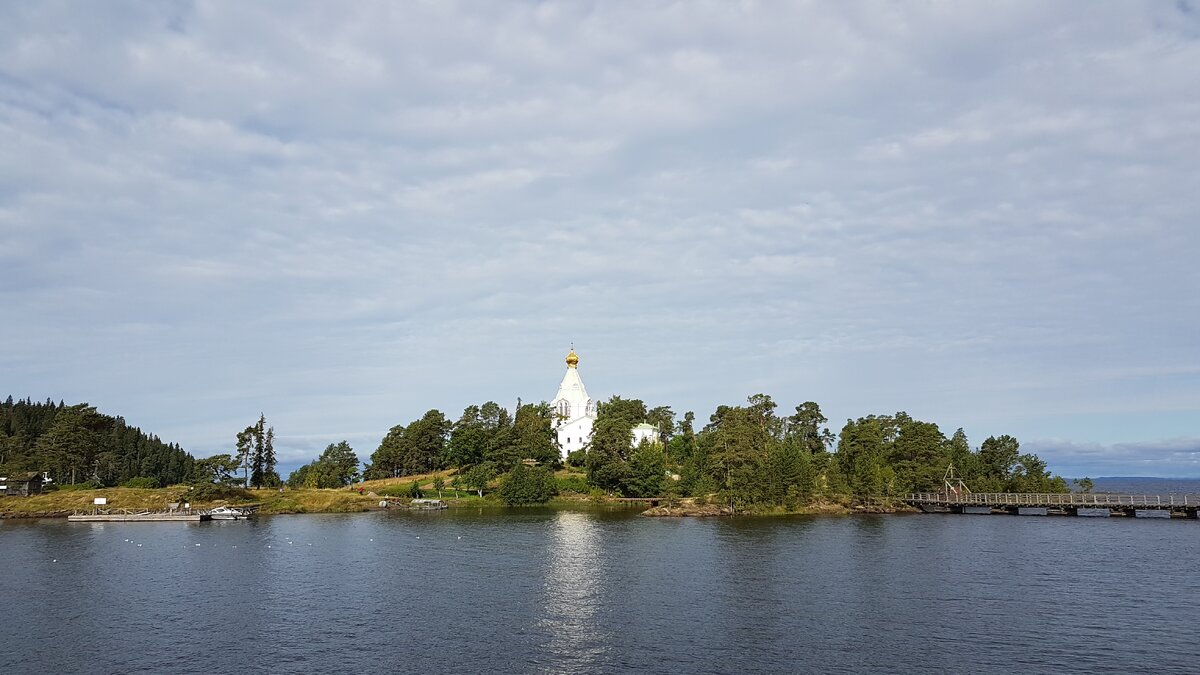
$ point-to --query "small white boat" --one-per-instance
(230, 513)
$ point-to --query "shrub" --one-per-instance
(573, 483)
(141, 482)
(207, 492)
(526, 485)
(577, 459)
(394, 491)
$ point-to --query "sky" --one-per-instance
(344, 214)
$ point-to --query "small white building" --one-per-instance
(645, 432)
(574, 411)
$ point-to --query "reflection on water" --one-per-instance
(535, 590)
(572, 583)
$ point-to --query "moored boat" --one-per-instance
(230, 513)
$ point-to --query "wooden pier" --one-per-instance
(1068, 503)
(127, 516)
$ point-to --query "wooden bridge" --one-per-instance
(1066, 503)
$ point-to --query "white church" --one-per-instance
(575, 413)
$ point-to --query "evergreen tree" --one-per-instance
(612, 436)
(245, 452)
(336, 467)
(417, 448)
(647, 471)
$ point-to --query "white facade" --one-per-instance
(574, 411)
(645, 432)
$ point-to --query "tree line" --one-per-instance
(76, 444)
(749, 455)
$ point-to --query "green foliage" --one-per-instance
(417, 448)
(998, 459)
(527, 485)
(141, 482)
(478, 435)
(217, 469)
(414, 490)
(647, 471)
(484, 434)
(533, 435)
(477, 477)
(577, 459)
(207, 492)
(76, 444)
(662, 418)
(806, 429)
(573, 483)
(1085, 484)
(612, 435)
(399, 490)
(336, 467)
(256, 454)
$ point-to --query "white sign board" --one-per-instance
(100, 501)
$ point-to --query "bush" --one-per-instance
(141, 482)
(414, 490)
(573, 483)
(526, 486)
(577, 459)
(394, 491)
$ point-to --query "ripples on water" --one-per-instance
(594, 591)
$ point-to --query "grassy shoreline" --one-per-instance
(60, 504)
(64, 502)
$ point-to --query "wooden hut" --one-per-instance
(21, 484)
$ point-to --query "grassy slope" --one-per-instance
(63, 502)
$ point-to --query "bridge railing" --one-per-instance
(1052, 499)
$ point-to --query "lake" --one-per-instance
(601, 591)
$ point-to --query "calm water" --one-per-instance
(592, 591)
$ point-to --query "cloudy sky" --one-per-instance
(342, 215)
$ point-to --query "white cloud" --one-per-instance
(345, 217)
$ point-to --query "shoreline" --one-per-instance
(60, 504)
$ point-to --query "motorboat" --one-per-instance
(230, 513)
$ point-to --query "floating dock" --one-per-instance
(167, 517)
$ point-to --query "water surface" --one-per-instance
(601, 591)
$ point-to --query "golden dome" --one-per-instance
(572, 359)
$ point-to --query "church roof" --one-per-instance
(571, 389)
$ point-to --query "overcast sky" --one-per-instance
(344, 214)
